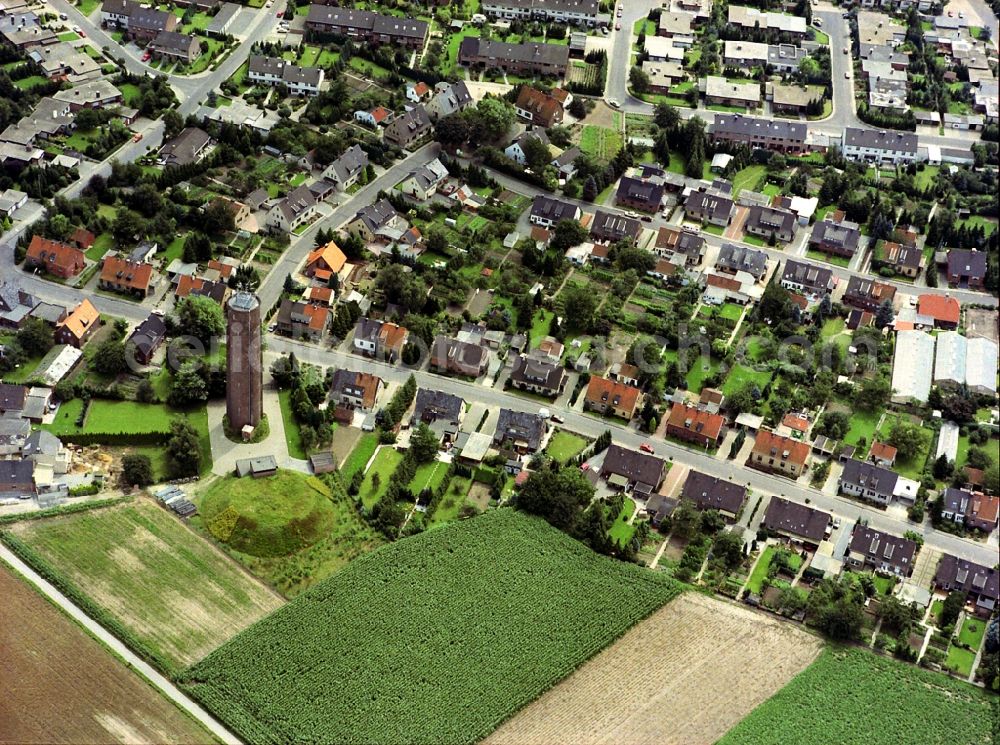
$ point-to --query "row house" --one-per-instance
(519, 59)
(796, 522)
(379, 339)
(776, 135)
(807, 279)
(610, 227)
(868, 481)
(355, 390)
(695, 425)
(770, 223)
(300, 81)
(880, 552)
(634, 470)
(879, 146)
(573, 12)
(367, 26)
(612, 398)
(300, 320)
(981, 584)
(121, 274)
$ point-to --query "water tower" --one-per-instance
(244, 365)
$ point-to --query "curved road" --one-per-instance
(142, 668)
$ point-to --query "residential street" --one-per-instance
(592, 426)
(109, 640)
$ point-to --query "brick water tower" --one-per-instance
(244, 365)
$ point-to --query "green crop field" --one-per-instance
(601, 142)
(853, 696)
(290, 530)
(177, 593)
(438, 638)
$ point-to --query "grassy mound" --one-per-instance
(434, 639)
(268, 517)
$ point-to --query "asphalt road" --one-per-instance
(271, 288)
(842, 273)
(109, 640)
(592, 426)
(843, 115)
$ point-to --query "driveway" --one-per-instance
(735, 229)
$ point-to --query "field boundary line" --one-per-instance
(109, 640)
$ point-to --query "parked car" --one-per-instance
(847, 74)
(63, 17)
(646, 447)
(146, 55)
(558, 419)
(618, 26)
(614, 104)
(847, 50)
(280, 13)
(137, 137)
(817, 22)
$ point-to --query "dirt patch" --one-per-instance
(76, 691)
(479, 495)
(981, 322)
(344, 441)
(684, 676)
(675, 548)
(602, 116)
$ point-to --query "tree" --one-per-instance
(109, 359)
(728, 548)
(452, 131)
(423, 444)
(495, 117)
(590, 190)
(559, 496)
(144, 392)
(137, 470)
(188, 386)
(197, 248)
(952, 607)
(218, 218)
(909, 439)
(834, 424)
(943, 467)
(842, 619)
(568, 233)
(884, 315)
(402, 287)
(536, 153)
(200, 317)
(127, 227)
(873, 394)
(638, 80)
(183, 449)
(666, 117)
(35, 337)
(579, 304)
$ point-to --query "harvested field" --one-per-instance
(179, 594)
(59, 685)
(661, 682)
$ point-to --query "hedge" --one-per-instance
(116, 438)
(67, 509)
(33, 559)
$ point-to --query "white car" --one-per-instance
(614, 104)
(847, 75)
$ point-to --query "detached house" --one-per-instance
(120, 274)
(519, 431)
(778, 454)
(980, 583)
(187, 147)
(795, 521)
(712, 493)
(867, 294)
(355, 390)
(733, 259)
(459, 357)
(868, 481)
(806, 279)
(54, 257)
(639, 194)
(300, 320)
(345, 171)
(770, 223)
(695, 425)
(433, 407)
(147, 337)
(880, 552)
(325, 261)
(537, 376)
(836, 237)
(706, 207)
(408, 127)
(609, 227)
(538, 108)
(379, 339)
(547, 212)
(641, 472)
(449, 99)
(79, 325)
(297, 208)
(424, 182)
(966, 268)
(176, 47)
(611, 397)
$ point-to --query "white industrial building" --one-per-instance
(912, 366)
(962, 361)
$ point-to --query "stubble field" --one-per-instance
(683, 676)
(59, 685)
(175, 591)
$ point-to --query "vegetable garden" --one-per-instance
(438, 638)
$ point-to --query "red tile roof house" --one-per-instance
(776, 454)
(945, 310)
(983, 511)
(119, 274)
(58, 259)
(611, 397)
(538, 108)
(695, 425)
(882, 454)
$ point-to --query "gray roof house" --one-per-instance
(882, 552)
(520, 430)
(644, 472)
(868, 482)
(733, 258)
(346, 169)
(185, 148)
(806, 279)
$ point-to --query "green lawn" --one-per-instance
(621, 532)
(863, 425)
(174, 249)
(828, 258)
(359, 457)
(985, 223)
(832, 327)
(759, 574)
(383, 466)
(177, 594)
(565, 445)
(102, 244)
(741, 376)
(540, 324)
(960, 660)
(428, 476)
(68, 36)
(293, 438)
(936, 607)
(972, 632)
(926, 176)
(30, 82)
(750, 178)
(451, 502)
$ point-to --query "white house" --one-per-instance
(423, 183)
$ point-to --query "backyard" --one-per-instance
(565, 445)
